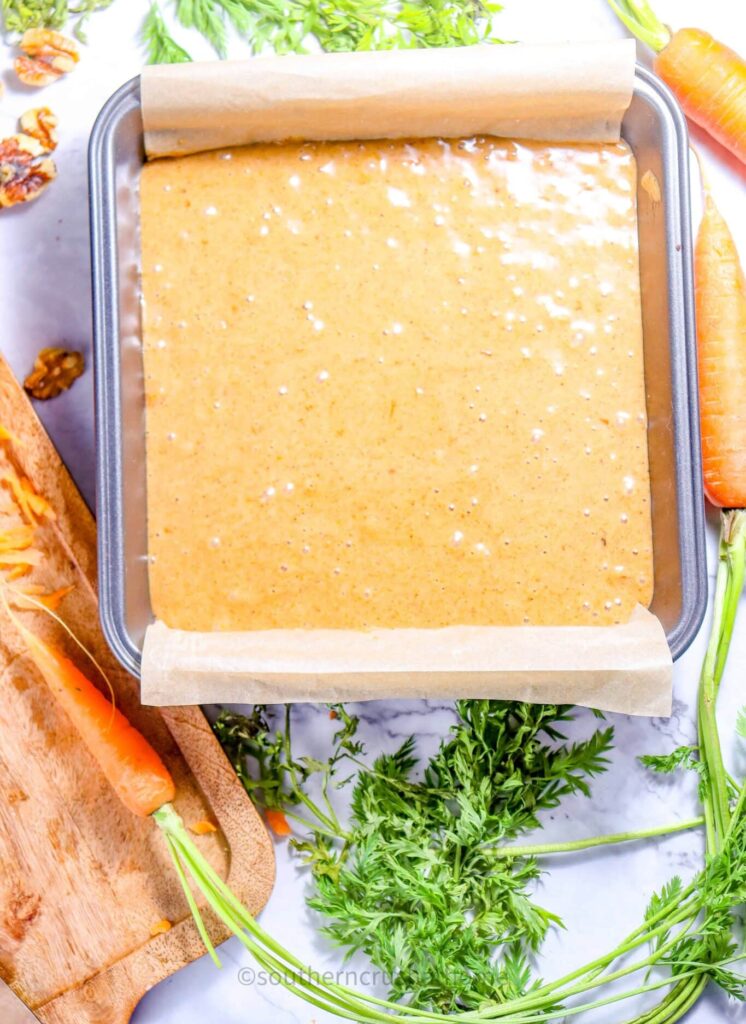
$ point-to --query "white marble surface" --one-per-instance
(45, 299)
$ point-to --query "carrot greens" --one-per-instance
(422, 875)
(293, 26)
(19, 15)
(282, 26)
(162, 48)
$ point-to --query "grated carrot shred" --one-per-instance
(5, 435)
(49, 600)
(39, 505)
(18, 573)
(203, 828)
(11, 479)
(29, 557)
(31, 504)
(16, 538)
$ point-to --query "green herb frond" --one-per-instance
(415, 859)
(19, 15)
(160, 46)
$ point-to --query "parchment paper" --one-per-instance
(573, 92)
(623, 668)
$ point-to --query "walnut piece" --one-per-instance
(55, 369)
(25, 170)
(47, 56)
(41, 124)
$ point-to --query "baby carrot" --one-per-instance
(707, 77)
(133, 768)
(721, 341)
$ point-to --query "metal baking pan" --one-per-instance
(655, 129)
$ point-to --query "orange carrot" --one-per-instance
(133, 768)
(709, 81)
(721, 340)
(707, 77)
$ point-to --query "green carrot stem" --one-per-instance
(571, 846)
(642, 21)
(314, 826)
(736, 814)
(559, 991)
(728, 587)
(338, 998)
(676, 1003)
(191, 902)
(678, 909)
(734, 542)
(331, 824)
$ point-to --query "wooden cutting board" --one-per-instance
(82, 880)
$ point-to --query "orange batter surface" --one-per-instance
(395, 384)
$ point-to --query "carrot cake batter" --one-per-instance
(395, 384)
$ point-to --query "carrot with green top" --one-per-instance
(705, 75)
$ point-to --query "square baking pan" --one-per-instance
(655, 130)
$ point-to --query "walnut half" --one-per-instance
(55, 369)
(47, 56)
(41, 124)
(25, 170)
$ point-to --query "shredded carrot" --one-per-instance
(277, 822)
(161, 927)
(18, 573)
(721, 341)
(16, 538)
(203, 828)
(5, 435)
(27, 557)
(31, 504)
(11, 479)
(51, 599)
(39, 505)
